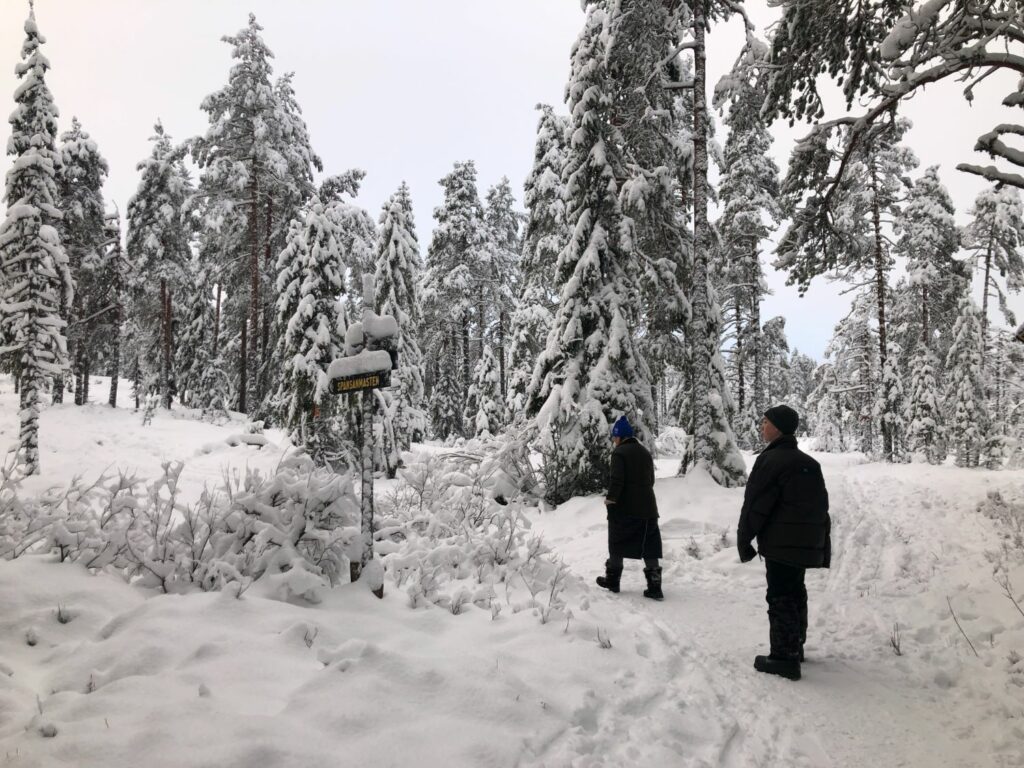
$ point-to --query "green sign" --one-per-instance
(346, 385)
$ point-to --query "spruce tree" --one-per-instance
(484, 410)
(544, 237)
(116, 270)
(925, 431)
(158, 244)
(311, 327)
(398, 278)
(965, 392)
(501, 279)
(83, 233)
(33, 264)
(194, 347)
(590, 372)
(651, 118)
(455, 261)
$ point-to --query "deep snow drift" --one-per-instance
(95, 672)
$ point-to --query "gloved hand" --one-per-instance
(746, 550)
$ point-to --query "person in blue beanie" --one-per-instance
(632, 512)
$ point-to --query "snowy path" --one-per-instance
(902, 544)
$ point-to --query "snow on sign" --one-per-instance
(357, 373)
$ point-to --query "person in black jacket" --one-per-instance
(785, 507)
(632, 512)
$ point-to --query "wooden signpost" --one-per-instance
(366, 366)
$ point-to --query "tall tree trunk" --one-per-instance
(740, 391)
(242, 372)
(86, 373)
(165, 327)
(467, 375)
(216, 323)
(502, 318)
(703, 447)
(876, 219)
(925, 335)
(253, 356)
(115, 362)
(984, 296)
(267, 300)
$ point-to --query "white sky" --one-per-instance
(400, 88)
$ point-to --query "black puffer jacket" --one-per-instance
(631, 481)
(785, 507)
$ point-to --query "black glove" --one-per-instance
(747, 551)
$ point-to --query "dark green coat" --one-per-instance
(785, 507)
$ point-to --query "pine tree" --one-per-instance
(256, 149)
(399, 273)
(590, 371)
(929, 239)
(484, 405)
(158, 244)
(853, 245)
(995, 238)
(544, 238)
(83, 233)
(965, 391)
(451, 290)
(748, 195)
(33, 264)
(311, 327)
(853, 379)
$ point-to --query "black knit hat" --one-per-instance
(785, 419)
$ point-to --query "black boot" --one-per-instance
(653, 590)
(611, 578)
(784, 631)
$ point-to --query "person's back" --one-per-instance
(632, 512)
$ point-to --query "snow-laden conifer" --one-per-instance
(311, 322)
(854, 245)
(966, 417)
(590, 371)
(501, 280)
(34, 267)
(83, 233)
(399, 273)
(925, 431)
(451, 292)
(748, 195)
(158, 245)
(484, 409)
(544, 237)
(995, 238)
(256, 172)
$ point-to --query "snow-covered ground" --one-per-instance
(131, 677)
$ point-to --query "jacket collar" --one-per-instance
(783, 441)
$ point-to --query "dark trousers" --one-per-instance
(787, 609)
(616, 562)
(785, 581)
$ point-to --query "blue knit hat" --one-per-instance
(622, 428)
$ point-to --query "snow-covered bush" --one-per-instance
(454, 533)
(294, 527)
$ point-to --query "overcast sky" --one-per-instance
(402, 89)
